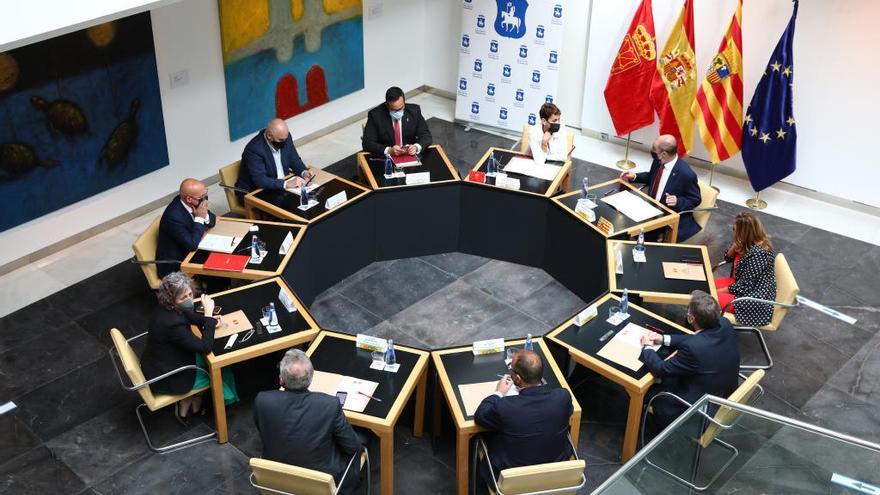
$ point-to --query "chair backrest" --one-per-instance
(709, 197)
(524, 139)
(291, 479)
(132, 365)
(229, 176)
(725, 415)
(786, 291)
(144, 248)
(540, 477)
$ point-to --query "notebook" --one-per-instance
(226, 262)
(406, 160)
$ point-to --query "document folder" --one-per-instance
(226, 262)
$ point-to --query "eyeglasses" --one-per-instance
(201, 198)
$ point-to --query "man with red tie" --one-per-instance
(395, 127)
(672, 182)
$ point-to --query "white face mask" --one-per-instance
(396, 114)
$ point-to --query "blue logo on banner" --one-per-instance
(490, 89)
(475, 107)
(502, 114)
(554, 57)
(520, 95)
(481, 21)
(523, 51)
(506, 70)
(557, 10)
(462, 84)
(510, 19)
(478, 65)
(532, 119)
(539, 32)
(493, 46)
(548, 99)
(465, 40)
(468, 1)
(536, 76)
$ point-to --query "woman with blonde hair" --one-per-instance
(753, 272)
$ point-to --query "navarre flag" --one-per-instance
(769, 135)
(627, 92)
(675, 82)
(717, 108)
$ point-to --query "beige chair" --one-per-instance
(228, 178)
(559, 478)
(278, 478)
(144, 248)
(723, 419)
(123, 352)
(708, 200)
(786, 298)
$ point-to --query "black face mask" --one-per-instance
(277, 145)
(554, 127)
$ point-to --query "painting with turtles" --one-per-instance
(79, 114)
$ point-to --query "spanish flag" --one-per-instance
(718, 107)
(675, 82)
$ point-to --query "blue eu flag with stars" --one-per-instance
(769, 133)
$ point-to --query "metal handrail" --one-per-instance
(698, 210)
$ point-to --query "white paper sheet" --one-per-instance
(219, 243)
(527, 166)
(634, 207)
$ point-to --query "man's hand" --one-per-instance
(411, 149)
(671, 200)
(651, 338)
(504, 385)
(202, 210)
(308, 174)
(396, 150)
(294, 182)
(208, 304)
(627, 176)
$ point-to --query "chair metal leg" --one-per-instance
(170, 447)
(369, 482)
(764, 349)
(692, 486)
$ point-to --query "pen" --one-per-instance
(609, 333)
(653, 328)
(612, 190)
(232, 242)
(502, 376)
(369, 396)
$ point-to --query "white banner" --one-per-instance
(508, 62)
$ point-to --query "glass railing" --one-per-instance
(746, 450)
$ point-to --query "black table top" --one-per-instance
(464, 367)
(526, 183)
(586, 338)
(272, 235)
(619, 220)
(648, 276)
(251, 300)
(432, 161)
(289, 201)
(338, 355)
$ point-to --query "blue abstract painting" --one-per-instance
(79, 115)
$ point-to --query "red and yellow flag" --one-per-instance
(718, 106)
(675, 82)
(627, 92)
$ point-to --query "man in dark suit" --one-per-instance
(182, 225)
(706, 362)
(528, 428)
(396, 127)
(268, 158)
(672, 182)
(306, 429)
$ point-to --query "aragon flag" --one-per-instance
(627, 92)
(718, 106)
(675, 81)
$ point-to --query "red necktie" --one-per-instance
(398, 138)
(657, 179)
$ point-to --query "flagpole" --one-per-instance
(712, 173)
(626, 163)
(756, 203)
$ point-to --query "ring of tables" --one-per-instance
(398, 220)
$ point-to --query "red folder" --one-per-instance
(404, 160)
(226, 262)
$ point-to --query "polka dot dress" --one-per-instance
(755, 277)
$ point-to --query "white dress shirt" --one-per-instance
(276, 154)
(195, 218)
(666, 171)
(400, 133)
(557, 147)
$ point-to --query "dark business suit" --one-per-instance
(178, 235)
(258, 169)
(307, 429)
(682, 183)
(171, 344)
(706, 363)
(379, 130)
(529, 428)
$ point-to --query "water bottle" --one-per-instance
(273, 316)
(389, 167)
(624, 303)
(303, 196)
(390, 357)
(585, 184)
(255, 247)
(529, 346)
(640, 242)
(492, 166)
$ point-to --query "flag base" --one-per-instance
(625, 164)
(756, 203)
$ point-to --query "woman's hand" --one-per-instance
(208, 304)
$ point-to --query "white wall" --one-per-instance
(187, 36)
(443, 21)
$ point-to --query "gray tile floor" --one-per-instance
(74, 429)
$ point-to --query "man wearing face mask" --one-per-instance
(395, 127)
(269, 157)
(548, 141)
(672, 182)
(182, 225)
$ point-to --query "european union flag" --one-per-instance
(769, 134)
